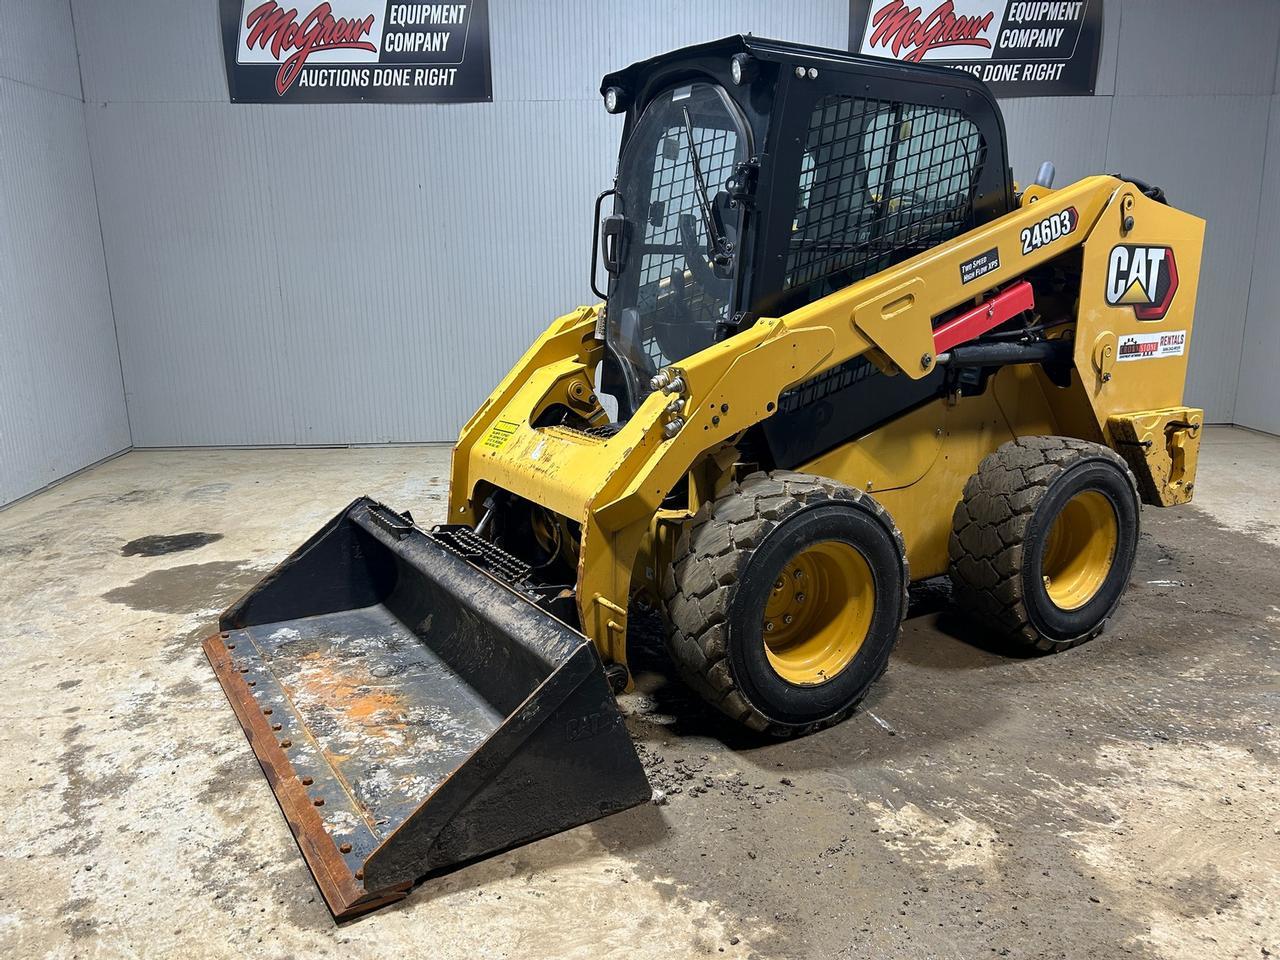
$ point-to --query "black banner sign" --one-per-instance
(1021, 48)
(344, 51)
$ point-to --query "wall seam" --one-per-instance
(102, 237)
(35, 86)
(1253, 267)
(1257, 225)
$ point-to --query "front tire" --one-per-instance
(1043, 542)
(784, 600)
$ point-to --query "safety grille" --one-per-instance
(826, 383)
(880, 182)
(465, 543)
(602, 432)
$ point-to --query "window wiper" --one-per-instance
(719, 248)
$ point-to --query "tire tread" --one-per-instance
(990, 525)
(713, 549)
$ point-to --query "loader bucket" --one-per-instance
(413, 712)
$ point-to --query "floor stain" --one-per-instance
(207, 492)
(157, 545)
(192, 586)
(128, 498)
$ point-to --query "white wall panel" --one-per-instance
(1276, 84)
(196, 259)
(1191, 47)
(1258, 399)
(61, 404)
(561, 50)
(369, 287)
(361, 273)
(1207, 154)
(1053, 128)
(37, 45)
(358, 273)
(151, 50)
(1109, 55)
(456, 258)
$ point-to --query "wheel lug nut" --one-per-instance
(787, 619)
(799, 598)
(777, 584)
(799, 574)
(768, 626)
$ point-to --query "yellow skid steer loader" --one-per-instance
(838, 351)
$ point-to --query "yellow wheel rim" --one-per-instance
(818, 613)
(1079, 550)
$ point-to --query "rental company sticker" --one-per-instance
(499, 434)
(1151, 346)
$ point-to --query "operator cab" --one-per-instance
(756, 176)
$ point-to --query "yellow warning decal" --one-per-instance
(500, 433)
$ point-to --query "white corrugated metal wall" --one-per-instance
(361, 273)
(1258, 400)
(61, 402)
(1184, 105)
(357, 273)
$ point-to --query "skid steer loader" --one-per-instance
(839, 351)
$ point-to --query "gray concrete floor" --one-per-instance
(1118, 800)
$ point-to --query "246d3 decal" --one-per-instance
(1145, 278)
(1051, 228)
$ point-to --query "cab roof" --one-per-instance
(633, 77)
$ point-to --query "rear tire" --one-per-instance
(1043, 543)
(820, 563)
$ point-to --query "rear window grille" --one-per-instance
(880, 181)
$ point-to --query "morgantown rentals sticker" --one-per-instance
(1021, 48)
(1152, 346)
(352, 51)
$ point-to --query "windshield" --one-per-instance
(679, 252)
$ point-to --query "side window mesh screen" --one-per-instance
(672, 198)
(880, 181)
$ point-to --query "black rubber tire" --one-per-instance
(725, 563)
(998, 536)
